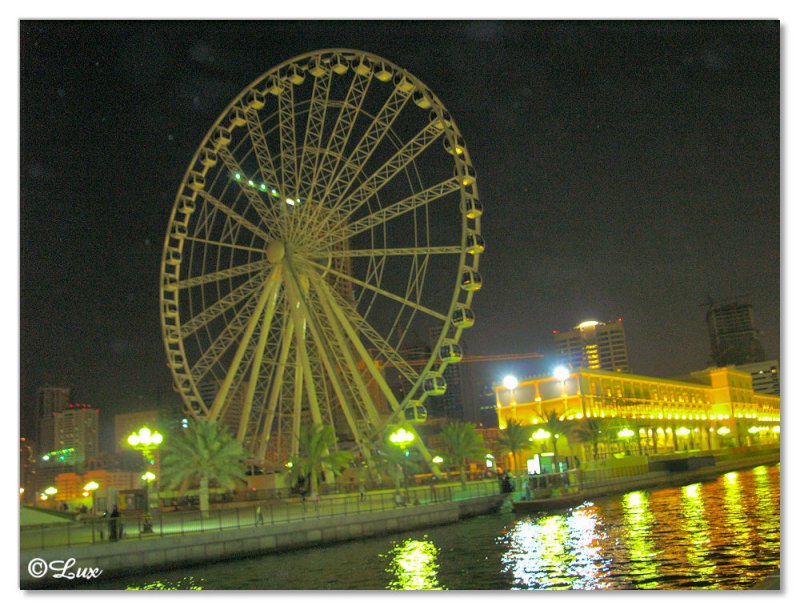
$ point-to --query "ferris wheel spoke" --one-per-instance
(230, 300)
(215, 276)
(381, 291)
(288, 143)
(374, 135)
(235, 216)
(414, 251)
(268, 293)
(399, 161)
(349, 112)
(261, 149)
(247, 186)
(223, 244)
(377, 340)
(315, 127)
(395, 210)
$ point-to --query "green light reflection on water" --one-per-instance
(413, 565)
(639, 521)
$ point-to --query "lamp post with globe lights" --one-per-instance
(147, 442)
(402, 437)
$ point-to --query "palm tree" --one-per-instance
(315, 456)
(391, 460)
(202, 453)
(514, 439)
(463, 442)
(589, 431)
(557, 428)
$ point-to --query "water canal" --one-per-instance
(722, 534)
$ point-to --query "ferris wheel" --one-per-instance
(328, 224)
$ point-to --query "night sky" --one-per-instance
(626, 169)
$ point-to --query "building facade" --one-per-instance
(766, 376)
(49, 401)
(714, 408)
(594, 345)
(734, 338)
(77, 427)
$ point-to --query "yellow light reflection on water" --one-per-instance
(734, 517)
(413, 566)
(639, 521)
(695, 525)
(184, 584)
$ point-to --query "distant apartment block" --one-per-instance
(594, 345)
(734, 338)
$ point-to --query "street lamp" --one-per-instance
(147, 442)
(147, 526)
(510, 383)
(402, 438)
(92, 487)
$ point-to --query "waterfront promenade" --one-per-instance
(189, 537)
(222, 537)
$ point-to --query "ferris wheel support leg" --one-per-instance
(270, 286)
(297, 406)
(256, 365)
(275, 390)
(344, 349)
(379, 379)
(330, 369)
(300, 324)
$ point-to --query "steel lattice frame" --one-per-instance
(319, 231)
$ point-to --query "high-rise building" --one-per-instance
(594, 345)
(734, 338)
(49, 401)
(76, 427)
(766, 376)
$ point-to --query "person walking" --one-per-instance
(113, 523)
(259, 515)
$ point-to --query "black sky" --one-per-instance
(626, 169)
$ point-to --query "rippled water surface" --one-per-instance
(723, 534)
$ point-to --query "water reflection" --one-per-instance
(413, 565)
(556, 551)
(184, 584)
(639, 524)
(723, 534)
(695, 525)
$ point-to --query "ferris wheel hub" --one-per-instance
(276, 251)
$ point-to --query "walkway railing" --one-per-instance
(96, 530)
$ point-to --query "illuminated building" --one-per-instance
(49, 401)
(734, 338)
(76, 427)
(713, 408)
(594, 345)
